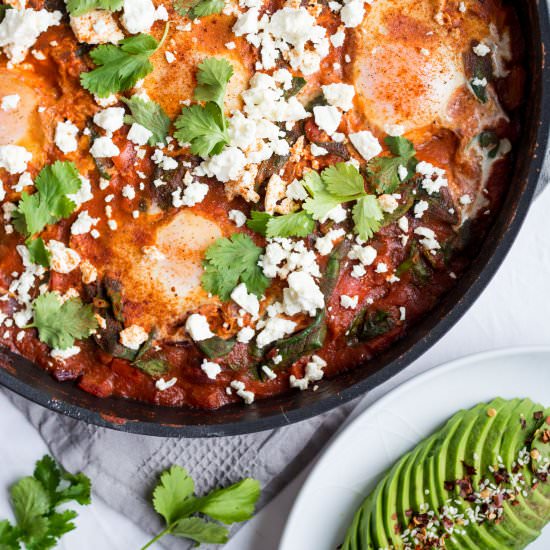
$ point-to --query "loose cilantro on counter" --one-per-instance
(205, 127)
(175, 501)
(342, 183)
(120, 67)
(47, 206)
(151, 116)
(80, 7)
(60, 323)
(198, 8)
(230, 261)
(384, 171)
(35, 500)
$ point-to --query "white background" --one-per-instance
(513, 311)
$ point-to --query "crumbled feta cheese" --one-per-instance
(338, 214)
(89, 272)
(163, 385)
(339, 95)
(211, 369)
(104, 147)
(325, 244)
(465, 200)
(140, 15)
(248, 302)
(96, 27)
(63, 259)
(434, 178)
(402, 313)
(193, 193)
(352, 13)
(10, 102)
(317, 151)
(198, 328)
(14, 158)
(403, 223)
(237, 217)
(296, 191)
(246, 396)
(245, 335)
(129, 192)
(419, 208)
(133, 336)
(338, 38)
(402, 172)
(268, 372)
(313, 373)
(170, 57)
(365, 254)
(358, 271)
(83, 224)
(20, 28)
(349, 302)
(65, 136)
(327, 117)
(138, 134)
(110, 119)
(275, 329)
(62, 354)
(481, 49)
(302, 294)
(381, 268)
(366, 144)
(429, 241)
(226, 166)
(388, 203)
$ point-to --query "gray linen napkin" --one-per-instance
(124, 467)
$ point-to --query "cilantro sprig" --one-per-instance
(47, 206)
(151, 116)
(198, 8)
(35, 500)
(295, 224)
(338, 184)
(60, 323)
(175, 501)
(205, 127)
(383, 172)
(230, 261)
(80, 7)
(120, 67)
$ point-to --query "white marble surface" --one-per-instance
(513, 311)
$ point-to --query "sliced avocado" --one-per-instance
(451, 487)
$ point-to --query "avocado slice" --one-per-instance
(481, 481)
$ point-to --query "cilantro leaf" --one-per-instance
(50, 204)
(38, 252)
(34, 500)
(200, 531)
(151, 116)
(321, 201)
(80, 7)
(223, 273)
(198, 8)
(60, 323)
(153, 367)
(175, 486)
(343, 179)
(384, 171)
(204, 128)
(120, 67)
(295, 224)
(174, 500)
(233, 503)
(367, 216)
(213, 75)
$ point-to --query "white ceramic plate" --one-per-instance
(368, 446)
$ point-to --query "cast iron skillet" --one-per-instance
(23, 377)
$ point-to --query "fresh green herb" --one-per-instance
(120, 67)
(298, 82)
(50, 204)
(151, 116)
(339, 184)
(80, 7)
(205, 127)
(60, 323)
(216, 347)
(384, 171)
(198, 8)
(174, 500)
(230, 261)
(35, 499)
(38, 252)
(153, 367)
(416, 265)
(295, 224)
(479, 72)
(367, 216)
(370, 324)
(490, 141)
